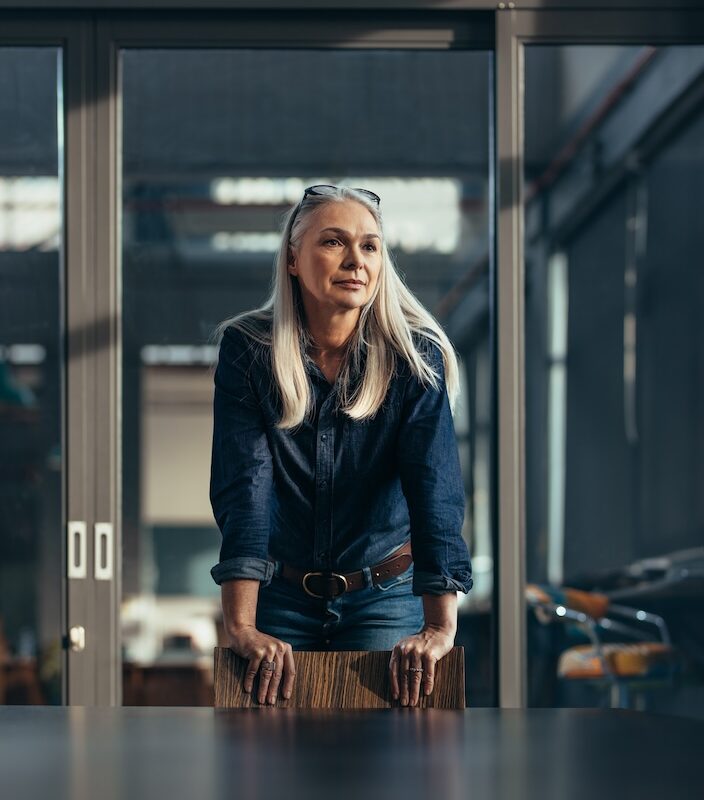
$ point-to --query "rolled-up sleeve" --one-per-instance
(431, 478)
(241, 476)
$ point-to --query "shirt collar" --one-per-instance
(314, 370)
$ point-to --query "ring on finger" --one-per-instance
(267, 666)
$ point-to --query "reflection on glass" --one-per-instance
(30, 377)
(217, 145)
(614, 376)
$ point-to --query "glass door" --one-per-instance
(614, 173)
(32, 374)
(216, 144)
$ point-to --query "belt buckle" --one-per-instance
(333, 574)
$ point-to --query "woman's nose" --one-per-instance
(355, 257)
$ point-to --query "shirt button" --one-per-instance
(324, 437)
(323, 484)
(323, 555)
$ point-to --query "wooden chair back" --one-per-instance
(339, 679)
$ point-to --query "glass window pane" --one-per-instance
(31, 406)
(217, 145)
(615, 370)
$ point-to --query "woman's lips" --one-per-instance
(349, 285)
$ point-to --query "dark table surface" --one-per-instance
(200, 753)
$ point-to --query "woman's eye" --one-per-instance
(327, 241)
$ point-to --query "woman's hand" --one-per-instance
(423, 649)
(252, 644)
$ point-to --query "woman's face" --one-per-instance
(338, 259)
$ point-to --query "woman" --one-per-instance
(334, 456)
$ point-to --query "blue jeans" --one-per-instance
(375, 617)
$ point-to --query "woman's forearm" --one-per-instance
(440, 611)
(239, 603)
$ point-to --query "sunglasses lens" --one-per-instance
(320, 188)
(374, 197)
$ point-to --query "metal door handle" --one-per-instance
(76, 532)
(103, 551)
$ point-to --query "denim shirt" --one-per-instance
(337, 494)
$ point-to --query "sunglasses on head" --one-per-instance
(324, 188)
(321, 188)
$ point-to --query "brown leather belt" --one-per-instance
(327, 584)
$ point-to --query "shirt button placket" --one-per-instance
(324, 485)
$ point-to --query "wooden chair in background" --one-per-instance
(341, 679)
(630, 670)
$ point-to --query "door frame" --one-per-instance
(444, 31)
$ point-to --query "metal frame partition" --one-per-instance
(91, 40)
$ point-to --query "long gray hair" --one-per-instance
(387, 323)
